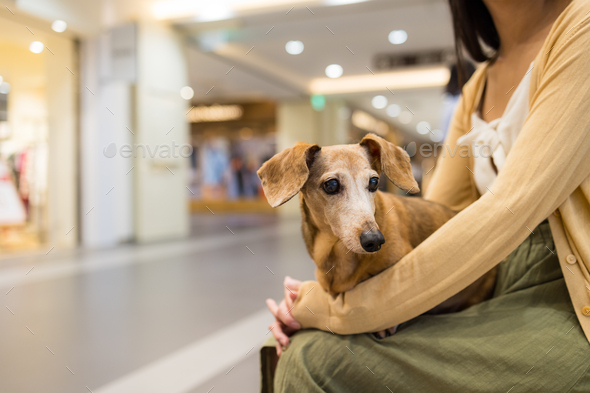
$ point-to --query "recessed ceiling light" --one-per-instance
(36, 47)
(334, 71)
(405, 117)
(397, 37)
(187, 93)
(437, 135)
(394, 110)
(379, 102)
(294, 47)
(59, 26)
(423, 127)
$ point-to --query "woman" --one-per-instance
(532, 336)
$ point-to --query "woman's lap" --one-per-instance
(526, 338)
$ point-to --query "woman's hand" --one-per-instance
(284, 325)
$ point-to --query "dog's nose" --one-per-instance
(372, 240)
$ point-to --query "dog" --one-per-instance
(353, 231)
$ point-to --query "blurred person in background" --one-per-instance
(525, 209)
(216, 168)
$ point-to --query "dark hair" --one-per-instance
(474, 27)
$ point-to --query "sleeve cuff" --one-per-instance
(311, 308)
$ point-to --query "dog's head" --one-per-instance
(338, 184)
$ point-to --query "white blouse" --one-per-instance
(491, 142)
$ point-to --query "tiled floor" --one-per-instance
(107, 315)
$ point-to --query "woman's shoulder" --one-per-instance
(570, 23)
(567, 42)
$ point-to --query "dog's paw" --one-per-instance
(386, 333)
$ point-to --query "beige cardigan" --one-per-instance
(546, 174)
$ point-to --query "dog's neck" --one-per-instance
(337, 267)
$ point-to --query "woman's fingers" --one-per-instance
(272, 306)
(279, 334)
(285, 325)
(284, 315)
(290, 296)
(293, 284)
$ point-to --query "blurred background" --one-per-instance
(136, 245)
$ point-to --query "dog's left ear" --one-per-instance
(391, 160)
(286, 172)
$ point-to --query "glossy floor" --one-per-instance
(171, 317)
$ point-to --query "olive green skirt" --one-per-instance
(525, 339)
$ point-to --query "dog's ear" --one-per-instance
(391, 160)
(284, 174)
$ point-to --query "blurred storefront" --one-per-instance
(37, 143)
(230, 142)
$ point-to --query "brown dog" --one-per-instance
(353, 231)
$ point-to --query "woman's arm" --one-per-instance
(547, 163)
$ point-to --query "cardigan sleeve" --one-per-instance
(549, 160)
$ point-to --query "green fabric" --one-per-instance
(525, 339)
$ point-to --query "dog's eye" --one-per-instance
(331, 186)
(373, 184)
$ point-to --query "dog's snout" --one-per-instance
(372, 240)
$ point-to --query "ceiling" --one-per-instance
(252, 40)
(350, 35)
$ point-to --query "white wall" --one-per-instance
(149, 199)
(62, 163)
(106, 214)
(161, 203)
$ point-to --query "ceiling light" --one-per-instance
(397, 37)
(405, 117)
(59, 26)
(437, 135)
(187, 93)
(334, 71)
(394, 80)
(214, 12)
(342, 2)
(1, 80)
(190, 8)
(5, 88)
(394, 110)
(423, 127)
(172, 9)
(379, 102)
(215, 112)
(36, 47)
(294, 47)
